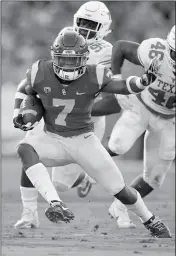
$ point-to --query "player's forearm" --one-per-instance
(19, 96)
(123, 50)
(23, 89)
(106, 106)
(132, 85)
(117, 58)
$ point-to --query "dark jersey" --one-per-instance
(67, 109)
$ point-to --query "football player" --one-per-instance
(93, 21)
(152, 111)
(67, 134)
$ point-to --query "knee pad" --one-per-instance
(155, 182)
(156, 176)
(117, 146)
(167, 153)
(167, 145)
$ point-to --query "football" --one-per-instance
(31, 109)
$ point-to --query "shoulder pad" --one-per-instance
(100, 52)
(150, 48)
(35, 74)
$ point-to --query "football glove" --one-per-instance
(150, 74)
(18, 123)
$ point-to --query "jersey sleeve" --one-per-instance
(105, 59)
(103, 74)
(100, 53)
(149, 49)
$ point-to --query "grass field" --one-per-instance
(92, 233)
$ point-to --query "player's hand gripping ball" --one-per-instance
(32, 112)
(150, 74)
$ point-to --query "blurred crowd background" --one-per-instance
(29, 28)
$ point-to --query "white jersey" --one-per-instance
(100, 53)
(159, 97)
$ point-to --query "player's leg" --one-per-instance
(85, 186)
(37, 151)
(126, 131)
(70, 176)
(94, 158)
(29, 195)
(159, 152)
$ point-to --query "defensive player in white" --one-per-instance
(93, 21)
(152, 111)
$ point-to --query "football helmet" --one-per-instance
(69, 53)
(93, 21)
(170, 53)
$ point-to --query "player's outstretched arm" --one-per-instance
(106, 106)
(131, 85)
(124, 50)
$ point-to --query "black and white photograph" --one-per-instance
(88, 128)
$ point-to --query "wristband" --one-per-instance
(134, 86)
(117, 76)
(16, 112)
(20, 95)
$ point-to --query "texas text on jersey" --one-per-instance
(68, 114)
(159, 97)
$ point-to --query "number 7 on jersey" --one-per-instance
(68, 107)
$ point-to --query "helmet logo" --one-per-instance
(47, 90)
(88, 15)
(63, 91)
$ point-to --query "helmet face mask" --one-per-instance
(170, 52)
(69, 62)
(88, 28)
(69, 54)
(172, 55)
(93, 21)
